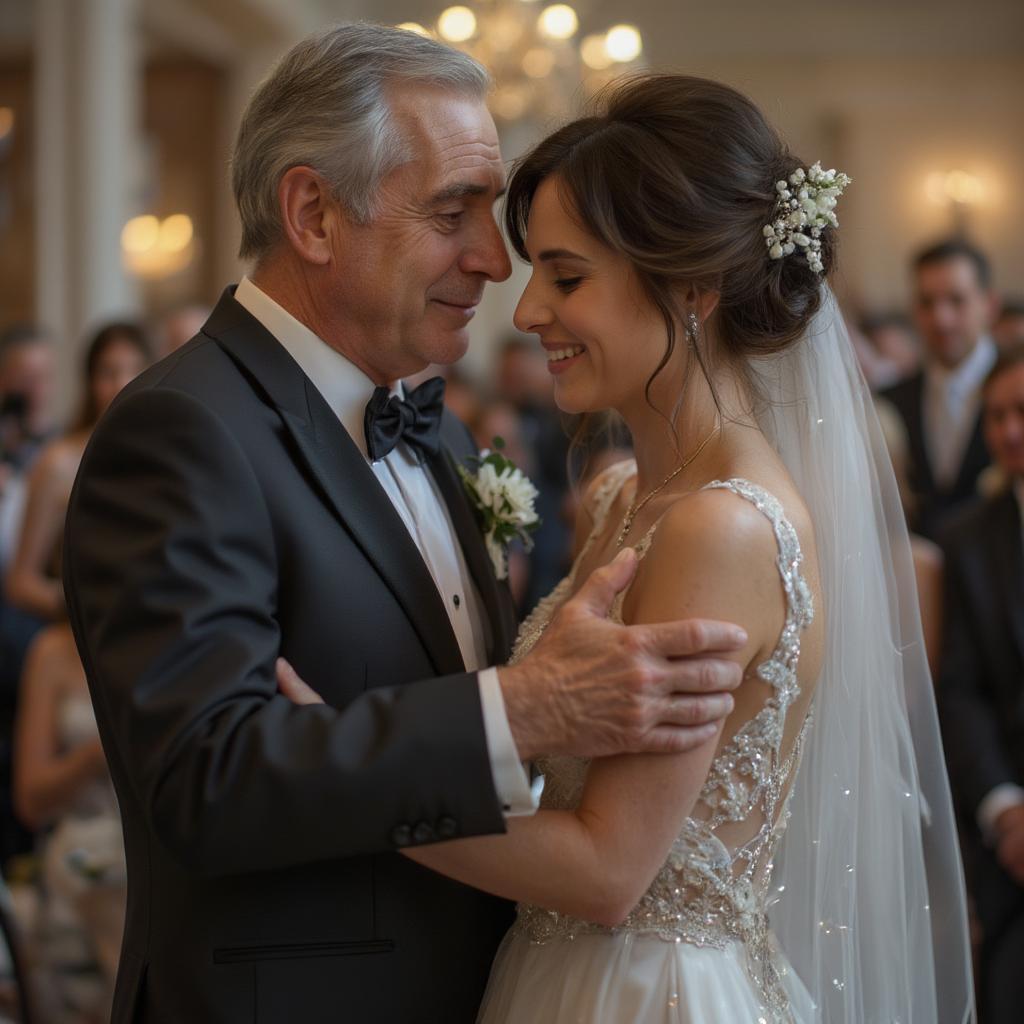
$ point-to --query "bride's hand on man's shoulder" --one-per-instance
(592, 687)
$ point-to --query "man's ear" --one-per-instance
(310, 214)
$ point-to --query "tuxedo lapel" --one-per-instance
(342, 476)
(493, 593)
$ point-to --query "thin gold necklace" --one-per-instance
(634, 509)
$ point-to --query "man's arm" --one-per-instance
(172, 577)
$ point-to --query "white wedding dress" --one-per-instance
(697, 948)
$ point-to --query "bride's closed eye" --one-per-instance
(567, 284)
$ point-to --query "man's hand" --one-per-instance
(592, 687)
(1010, 842)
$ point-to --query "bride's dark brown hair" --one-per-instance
(678, 175)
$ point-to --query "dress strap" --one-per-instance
(779, 670)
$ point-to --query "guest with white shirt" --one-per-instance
(981, 693)
(954, 307)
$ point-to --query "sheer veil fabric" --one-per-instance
(869, 901)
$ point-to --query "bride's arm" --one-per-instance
(713, 557)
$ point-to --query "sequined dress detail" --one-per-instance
(715, 885)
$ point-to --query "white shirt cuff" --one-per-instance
(997, 800)
(517, 796)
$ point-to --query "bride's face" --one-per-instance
(604, 339)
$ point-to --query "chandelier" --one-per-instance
(541, 70)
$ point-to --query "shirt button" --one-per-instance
(457, 600)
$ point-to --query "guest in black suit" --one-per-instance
(270, 489)
(981, 694)
(954, 307)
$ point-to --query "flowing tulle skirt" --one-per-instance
(628, 978)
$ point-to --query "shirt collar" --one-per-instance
(970, 373)
(344, 387)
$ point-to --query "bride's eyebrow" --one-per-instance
(560, 254)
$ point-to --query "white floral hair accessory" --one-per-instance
(805, 208)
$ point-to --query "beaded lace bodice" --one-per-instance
(713, 888)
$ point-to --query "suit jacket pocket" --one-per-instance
(302, 950)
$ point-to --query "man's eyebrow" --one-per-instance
(560, 254)
(461, 190)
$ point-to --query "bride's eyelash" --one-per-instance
(567, 284)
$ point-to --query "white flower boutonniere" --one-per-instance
(503, 496)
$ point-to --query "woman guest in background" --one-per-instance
(116, 354)
(61, 786)
(679, 256)
(61, 782)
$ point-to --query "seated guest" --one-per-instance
(896, 349)
(115, 356)
(954, 307)
(61, 780)
(981, 693)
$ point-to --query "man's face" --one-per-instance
(951, 308)
(410, 280)
(1003, 420)
(31, 370)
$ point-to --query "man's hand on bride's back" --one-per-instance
(593, 687)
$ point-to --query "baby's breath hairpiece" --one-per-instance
(804, 209)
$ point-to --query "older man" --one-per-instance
(272, 490)
(981, 691)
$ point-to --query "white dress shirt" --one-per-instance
(1008, 794)
(952, 401)
(418, 502)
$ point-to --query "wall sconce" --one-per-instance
(154, 248)
(959, 191)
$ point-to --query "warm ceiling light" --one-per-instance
(537, 63)
(140, 234)
(623, 43)
(954, 186)
(558, 22)
(414, 26)
(509, 102)
(594, 51)
(175, 233)
(457, 24)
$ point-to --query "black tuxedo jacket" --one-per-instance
(981, 681)
(222, 517)
(934, 504)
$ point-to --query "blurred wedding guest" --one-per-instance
(28, 370)
(178, 326)
(1008, 330)
(927, 555)
(116, 354)
(981, 694)
(892, 338)
(61, 784)
(954, 307)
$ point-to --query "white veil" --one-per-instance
(869, 903)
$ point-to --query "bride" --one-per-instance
(802, 864)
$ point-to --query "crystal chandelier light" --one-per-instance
(541, 69)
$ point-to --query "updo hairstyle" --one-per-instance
(678, 174)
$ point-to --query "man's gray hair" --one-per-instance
(325, 106)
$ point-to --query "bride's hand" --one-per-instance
(292, 686)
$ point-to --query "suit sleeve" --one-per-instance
(973, 740)
(171, 573)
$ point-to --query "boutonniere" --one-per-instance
(503, 497)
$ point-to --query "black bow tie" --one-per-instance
(416, 419)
